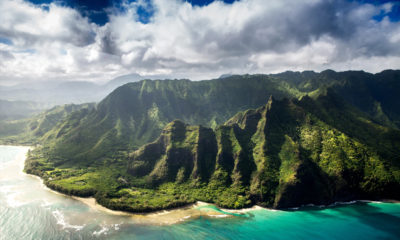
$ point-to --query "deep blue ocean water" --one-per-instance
(29, 211)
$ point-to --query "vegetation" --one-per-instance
(280, 155)
(337, 138)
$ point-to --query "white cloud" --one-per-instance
(316, 56)
(183, 41)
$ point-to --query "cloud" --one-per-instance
(197, 42)
(47, 42)
(253, 36)
(29, 25)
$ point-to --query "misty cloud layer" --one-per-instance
(181, 41)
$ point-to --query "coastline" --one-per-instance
(175, 215)
(162, 217)
(167, 217)
(196, 210)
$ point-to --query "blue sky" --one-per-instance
(197, 39)
(97, 10)
(394, 14)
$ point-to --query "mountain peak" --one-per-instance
(270, 99)
(270, 102)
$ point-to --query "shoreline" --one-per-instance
(161, 217)
(167, 217)
(179, 214)
(340, 203)
(199, 209)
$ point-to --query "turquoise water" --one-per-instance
(29, 211)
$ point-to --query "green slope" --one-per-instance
(377, 95)
(337, 139)
(135, 113)
(283, 154)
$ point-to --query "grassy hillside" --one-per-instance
(377, 95)
(135, 113)
(283, 154)
(336, 139)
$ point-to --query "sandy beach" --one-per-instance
(173, 216)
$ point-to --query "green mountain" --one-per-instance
(337, 138)
(135, 113)
(283, 154)
(374, 94)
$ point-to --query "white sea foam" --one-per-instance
(116, 226)
(11, 197)
(370, 201)
(342, 203)
(45, 204)
(220, 216)
(60, 218)
(103, 230)
(184, 218)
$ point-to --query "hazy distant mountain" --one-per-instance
(13, 110)
(54, 93)
(57, 93)
(121, 80)
(225, 75)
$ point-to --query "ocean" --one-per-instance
(30, 211)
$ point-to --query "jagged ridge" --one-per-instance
(282, 153)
